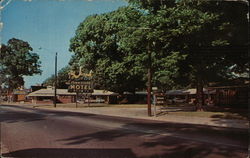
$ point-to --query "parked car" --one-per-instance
(176, 100)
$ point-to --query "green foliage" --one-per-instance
(16, 61)
(99, 46)
(62, 79)
(190, 42)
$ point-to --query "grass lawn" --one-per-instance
(210, 112)
(223, 115)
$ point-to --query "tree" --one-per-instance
(16, 61)
(190, 43)
(62, 79)
(210, 38)
(98, 46)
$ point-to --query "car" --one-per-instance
(179, 100)
(176, 100)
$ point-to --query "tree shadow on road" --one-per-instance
(178, 148)
(71, 153)
(186, 142)
(102, 136)
(12, 117)
(27, 114)
(157, 140)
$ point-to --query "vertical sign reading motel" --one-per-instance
(80, 82)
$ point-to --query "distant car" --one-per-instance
(177, 100)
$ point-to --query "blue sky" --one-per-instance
(49, 24)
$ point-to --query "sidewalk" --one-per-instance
(141, 113)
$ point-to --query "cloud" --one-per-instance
(27, 0)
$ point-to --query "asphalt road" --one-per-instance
(40, 133)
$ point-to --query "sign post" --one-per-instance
(89, 100)
(154, 105)
(76, 98)
(154, 99)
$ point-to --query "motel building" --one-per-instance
(46, 96)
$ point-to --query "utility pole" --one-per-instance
(149, 85)
(55, 98)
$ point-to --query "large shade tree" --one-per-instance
(212, 36)
(189, 42)
(16, 61)
(98, 46)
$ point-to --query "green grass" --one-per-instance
(207, 114)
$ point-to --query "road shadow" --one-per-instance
(13, 117)
(182, 140)
(179, 148)
(71, 153)
(196, 131)
(156, 140)
(101, 136)
(27, 114)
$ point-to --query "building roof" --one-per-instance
(49, 92)
(103, 92)
(188, 91)
(21, 91)
(137, 92)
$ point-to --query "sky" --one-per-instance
(48, 26)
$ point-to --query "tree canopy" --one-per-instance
(191, 43)
(17, 60)
(100, 45)
(62, 79)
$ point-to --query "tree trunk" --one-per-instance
(199, 94)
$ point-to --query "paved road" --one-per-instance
(40, 133)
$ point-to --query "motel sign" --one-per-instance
(80, 82)
(81, 87)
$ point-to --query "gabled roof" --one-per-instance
(49, 92)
